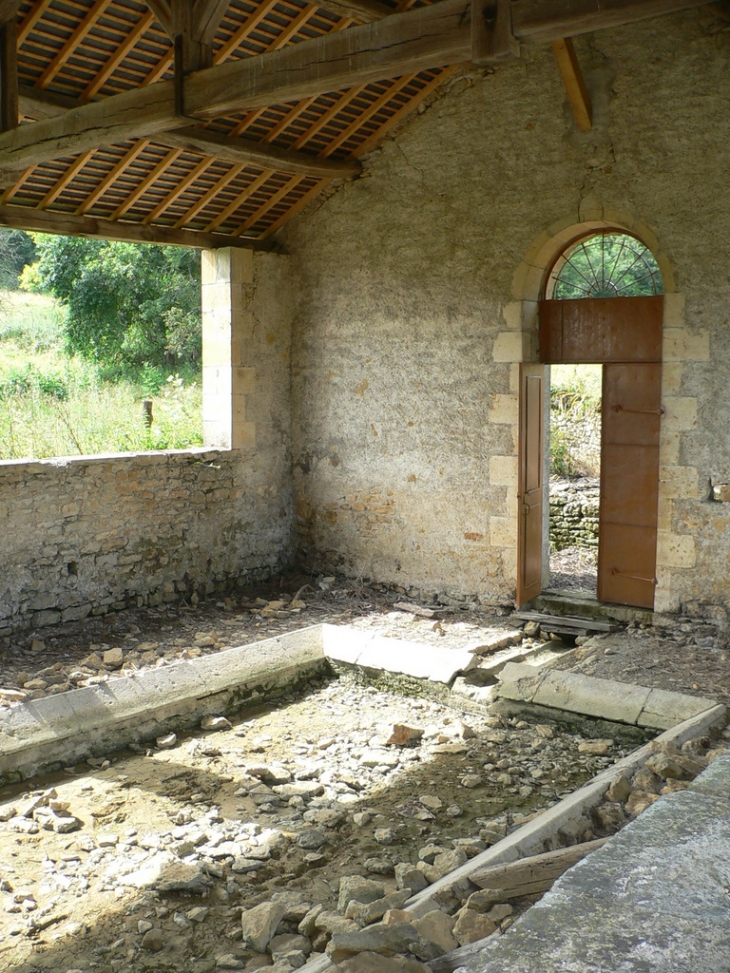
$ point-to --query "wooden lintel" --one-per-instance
(163, 14)
(575, 85)
(67, 224)
(426, 37)
(9, 75)
(491, 32)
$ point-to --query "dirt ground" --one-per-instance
(87, 900)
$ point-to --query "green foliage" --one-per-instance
(55, 405)
(128, 304)
(575, 415)
(17, 249)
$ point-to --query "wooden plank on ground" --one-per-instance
(531, 875)
(566, 621)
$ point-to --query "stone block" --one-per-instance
(512, 314)
(520, 682)
(675, 550)
(502, 532)
(504, 409)
(681, 413)
(679, 344)
(503, 471)
(679, 482)
(510, 346)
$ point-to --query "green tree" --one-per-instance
(16, 250)
(128, 304)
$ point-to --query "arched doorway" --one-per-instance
(602, 304)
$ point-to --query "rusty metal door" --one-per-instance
(627, 539)
(530, 484)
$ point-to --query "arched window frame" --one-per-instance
(595, 276)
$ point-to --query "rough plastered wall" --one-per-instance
(415, 308)
(91, 534)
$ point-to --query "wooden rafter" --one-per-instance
(148, 181)
(110, 178)
(142, 25)
(181, 188)
(207, 15)
(265, 207)
(71, 44)
(32, 19)
(236, 204)
(294, 208)
(76, 167)
(201, 203)
(575, 85)
(163, 15)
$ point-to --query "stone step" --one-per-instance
(581, 605)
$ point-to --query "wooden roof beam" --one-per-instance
(162, 10)
(575, 85)
(206, 19)
(214, 144)
(67, 224)
(427, 37)
(366, 11)
(8, 10)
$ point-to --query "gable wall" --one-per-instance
(412, 316)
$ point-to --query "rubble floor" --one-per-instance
(86, 900)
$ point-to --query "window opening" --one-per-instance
(605, 265)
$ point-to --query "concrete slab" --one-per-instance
(653, 898)
(344, 644)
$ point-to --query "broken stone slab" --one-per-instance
(663, 709)
(519, 681)
(259, 924)
(415, 659)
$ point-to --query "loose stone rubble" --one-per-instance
(297, 832)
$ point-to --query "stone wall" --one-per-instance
(574, 508)
(417, 289)
(91, 534)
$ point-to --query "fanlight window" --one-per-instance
(605, 265)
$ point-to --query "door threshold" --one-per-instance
(582, 604)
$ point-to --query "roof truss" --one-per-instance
(227, 116)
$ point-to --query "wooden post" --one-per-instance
(491, 31)
(9, 75)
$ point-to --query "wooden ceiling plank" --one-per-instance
(201, 203)
(142, 25)
(74, 40)
(162, 10)
(403, 112)
(266, 206)
(32, 19)
(238, 201)
(574, 81)
(68, 224)
(344, 98)
(77, 165)
(230, 46)
(185, 183)
(248, 152)
(145, 184)
(425, 38)
(129, 156)
(361, 119)
(291, 116)
(295, 208)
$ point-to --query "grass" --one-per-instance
(55, 405)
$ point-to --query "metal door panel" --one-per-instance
(530, 486)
